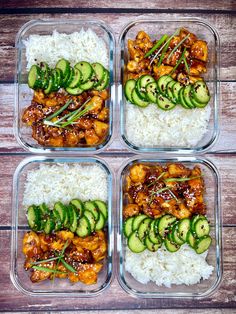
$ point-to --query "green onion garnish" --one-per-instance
(181, 179)
(186, 64)
(47, 260)
(178, 63)
(157, 45)
(49, 270)
(69, 267)
(176, 47)
(59, 111)
(157, 179)
(163, 53)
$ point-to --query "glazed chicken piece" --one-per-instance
(138, 173)
(199, 50)
(31, 244)
(130, 210)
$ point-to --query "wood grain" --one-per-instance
(185, 4)
(226, 141)
(115, 297)
(10, 24)
(225, 165)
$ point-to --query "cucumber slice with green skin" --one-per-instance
(86, 70)
(150, 245)
(129, 87)
(202, 244)
(144, 228)
(191, 240)
(100, 222)
(76, 79)
(202, 228)
(91, 219)
(162, 83)
(128, 226)
(74, 91)
(70, 78)
(186, 96)
(164, 103)
(61, 209)
(169, 93)
(44, 67)
(104, 83)
(44, 209)
(84, 228)
(49, 226)
(99, 73)
(153, 236)
(73, 217)
(79, 205)
(197, 104)
(89, 84)
(35, 77)
(176, 90)
(171, 246)
(102, 207)
(64, 66)
(141, 91)
(145, 80)
(134, 243)
(137, 100)
(182, 100)
(34, 218)
(175, 235)
(57, 220)
(55, 80)
(183, 228)
(137, 221)
(91, 206)
(50, 86)
(152, 92)
(164, 224)
(194, 220)
(201, 92)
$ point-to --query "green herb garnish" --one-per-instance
(68, 266)
(176, 47)
(181, 179)
(49, 270)
(157, 179)
(59, 111)
(157, 45)
(47, 260)
(178, 63)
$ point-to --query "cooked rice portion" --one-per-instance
(164, 268)
(78, 46)
(153, 127)
(63, 182)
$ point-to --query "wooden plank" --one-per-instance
(10, 24)
(115, 297)
(185, 4)
(225, 165)
(226, 141)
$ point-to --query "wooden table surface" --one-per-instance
(221, 14)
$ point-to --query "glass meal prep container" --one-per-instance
(57, 287)
(213, 211)
(156, 29)
(23, 94)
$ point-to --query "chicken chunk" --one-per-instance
(199, 50)
(138, 173)
(130, 210)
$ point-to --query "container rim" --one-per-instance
(218, 225)
(14, 227)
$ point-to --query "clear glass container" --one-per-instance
(23, 94)
(157, 28)
(59, 287)
(212, 199)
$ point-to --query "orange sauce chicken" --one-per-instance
(81, 257)
(156, 190)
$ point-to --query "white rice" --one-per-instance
(63, 182)
(179, 127)
(164, 268)
(78, 46)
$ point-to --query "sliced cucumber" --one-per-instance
(84, 228)
(99, 73)
(203, 244)
(35, 77)
(129, 87)
(190, 239)
(202, 228)
(74, 91)
(34, 218)
(50, 86)
(187, 98)
(49, 225)
(169, 89)
(175, 90)
(70, 78)
(164, 103)
(57, 220)
(171, 246)
(102, 207)
(64, 66)
(100, 223)
(152, 92)
(175, 235)
(137, 100)
(144, 228)
(91, 206)
(61, 209)
(86, 70)
(134, 243)
(150, 245)
(196, 103)
(104, 83)
(76, 79)
(201, 92)
(137, 221)
(183, 228)
(141, 91)
(73, 217)
(89, 84)
(164, 224)
(162, 83)
(79, 205)
(91, 219)
(194, 220)
(153, 236)
(128, 226)
(182, 100)
(145, 80)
